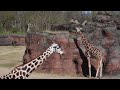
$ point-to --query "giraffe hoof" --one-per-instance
(100, 77)
(89, 76)
(96, 77)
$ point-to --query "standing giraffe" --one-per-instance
(28, 26)
(23, 71)
(91, 52)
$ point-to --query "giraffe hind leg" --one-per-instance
(101, 70)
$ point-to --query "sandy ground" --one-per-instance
(35, 75)
(12, 56)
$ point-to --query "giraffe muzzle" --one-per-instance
(62, 52)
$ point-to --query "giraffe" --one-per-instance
(23, 71)
(29, 25)
(91, 51)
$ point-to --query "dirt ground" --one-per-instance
(12, 56)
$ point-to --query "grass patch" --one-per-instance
(7, 33)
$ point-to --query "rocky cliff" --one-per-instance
(8, 40)
(101, 32)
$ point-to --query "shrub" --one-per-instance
(1, 29)
(14, 30)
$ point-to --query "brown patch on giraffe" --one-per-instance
(10, 76)
(44, 53)
(24, 68)
(38, 58)
(42, 56)
(20, 72)
(33, 69)
(17, 73)
(28, 69)
(13, 76)
(21, 77)
(36, 63)
(38, 66)
(27, 75)
(47, 54)
(7, 77)
(14, 71)
(32, 65)
(23, 73)
(41, 62)
(29, 64)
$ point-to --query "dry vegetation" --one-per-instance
(12, 56)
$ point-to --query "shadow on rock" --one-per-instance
(84, 65)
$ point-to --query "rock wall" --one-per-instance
(7, 40)
(55, 63)
(102, 32)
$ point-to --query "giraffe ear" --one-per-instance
(78, 29)
(83, 24)
(72, 21)
(76, 21)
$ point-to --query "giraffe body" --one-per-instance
(91, 52)
(23, 71)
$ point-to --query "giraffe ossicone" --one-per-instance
(24, 70)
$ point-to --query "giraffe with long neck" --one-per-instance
(91, 51)
(23, 71)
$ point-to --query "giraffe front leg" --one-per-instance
(89, 66)
(97, 69)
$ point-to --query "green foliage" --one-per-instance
(11, 31)
(43, 19)
(1, 29)
(14, 30)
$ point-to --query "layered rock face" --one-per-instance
(36, 43)
(102, 32)
(8, 40)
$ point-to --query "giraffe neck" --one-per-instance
(31, 66)
(23, 71)
(85, 42)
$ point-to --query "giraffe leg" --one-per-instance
(101, 66)
(89, 66)
(97, 69)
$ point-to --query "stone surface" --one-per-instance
(113, 66)
(6, 40)
(72, 62)
(102, 32)
(55, 63)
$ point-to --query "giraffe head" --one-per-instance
(56, 48)
(78, 29)
(82, 25)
